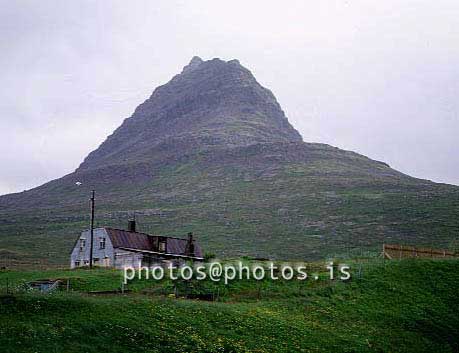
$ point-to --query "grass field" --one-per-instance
(397, 306)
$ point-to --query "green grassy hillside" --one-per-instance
(406, 306)
(302, 202)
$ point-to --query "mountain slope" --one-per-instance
(212, 152)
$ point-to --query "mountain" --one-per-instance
(212, 152)
(213, 104)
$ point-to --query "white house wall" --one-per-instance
(106, 256)
(127, 258)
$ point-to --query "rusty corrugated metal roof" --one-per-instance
(141, 241)
(124, 239)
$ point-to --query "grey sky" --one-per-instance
(377, 77)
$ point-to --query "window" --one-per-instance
(95, 261)
(102, 243)
(162, 246)
(82, 244)
(77, 263)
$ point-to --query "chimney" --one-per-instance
(190, 245)
(131, 226)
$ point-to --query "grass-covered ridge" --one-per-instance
(400, 306)
(336, 203)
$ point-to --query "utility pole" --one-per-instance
(93, 193)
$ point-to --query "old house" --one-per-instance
(119, 248)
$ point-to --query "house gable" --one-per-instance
(103, 250)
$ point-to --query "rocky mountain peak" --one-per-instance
(194, 63)
(211, 104)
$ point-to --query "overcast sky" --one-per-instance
(377, 77)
